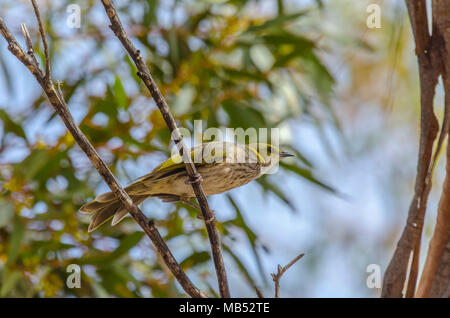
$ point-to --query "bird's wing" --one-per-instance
(200, 155)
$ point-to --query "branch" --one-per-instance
(439, 246)
(60, 106)
(194, 176)
(258, 292)
(441, 282)
(435, 282)
(27, 37)
(409, 242)
(280, 271)
(48, 75)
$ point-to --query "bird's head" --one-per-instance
(269, 155)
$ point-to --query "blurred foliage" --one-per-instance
(227, 63)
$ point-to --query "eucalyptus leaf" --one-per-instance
(16, 239)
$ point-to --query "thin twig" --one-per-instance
(280, 271)
(194, 176)
(28, 42)
(48, 74)
(27, 37)
(57, 101)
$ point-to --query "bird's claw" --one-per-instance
(196, 179)
(210, 220)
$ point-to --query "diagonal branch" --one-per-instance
(60, 106)
(194, 176)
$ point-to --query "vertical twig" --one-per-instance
(194, 176)
(48, 74)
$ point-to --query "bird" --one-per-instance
(222, 166)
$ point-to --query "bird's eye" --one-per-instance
(269, 150)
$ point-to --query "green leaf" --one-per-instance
(317, 74)
(306, 174)
(35, 161)
(105, 105)
(252, 237)
(16, 240)
(11, 126)
(120, 95)
(7, 74)
(277, 22)
(133, 69)
(244, 75)
(127, 243)
(176, 225)
(99, 291)
(10, 280)
(6, 212)
(244, 116)
(195, 259)
(52, 166)
(239, 264)
(96, 133)
(174, 47)
(114, 281)
(299, 155)
(301, 43)
(268, 186)
(45, 246)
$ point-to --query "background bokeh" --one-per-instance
(344, 96)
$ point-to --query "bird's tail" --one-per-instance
(106, 206)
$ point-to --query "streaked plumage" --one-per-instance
(222, 165)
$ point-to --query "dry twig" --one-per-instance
(48, 72)
(280, 271)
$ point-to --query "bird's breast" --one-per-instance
(224, 177)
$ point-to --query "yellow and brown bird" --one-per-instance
(222, 165)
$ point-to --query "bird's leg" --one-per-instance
(195, 206)
(212, 219)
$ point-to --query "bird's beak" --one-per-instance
(286, 154)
